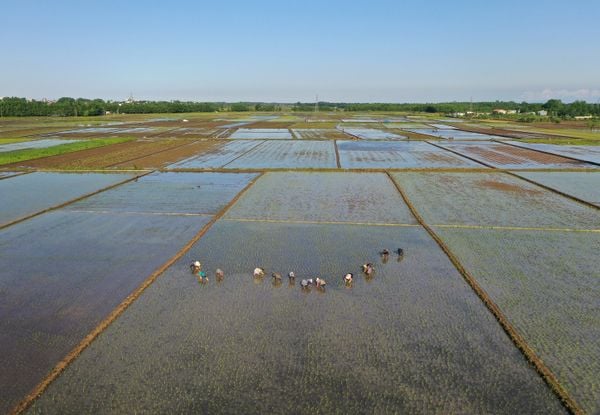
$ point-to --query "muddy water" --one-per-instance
(31, 193)
(413, 339)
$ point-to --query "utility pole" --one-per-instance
(317, 104)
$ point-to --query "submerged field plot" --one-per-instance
(30, 193)
(62, 272)
(583, 153)
(323, 197)
(219, 156)
(492, 199)
(414, 338)
(262, 133)
(548, 286)
(371, 134)
(181, 193)
(394, 154)
(318, 134)
(510, 157)
(288, 154)
(452, 133)
(583, 185)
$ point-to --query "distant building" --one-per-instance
(542, 113)
(499, 111)
(583, 117)
(511, 111)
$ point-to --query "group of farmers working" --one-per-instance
(368, 269)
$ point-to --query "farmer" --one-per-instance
(196, 268)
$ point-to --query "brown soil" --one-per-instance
(159, 160)
(506, 187)
(107, 156)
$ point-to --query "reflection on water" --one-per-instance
(413, 340)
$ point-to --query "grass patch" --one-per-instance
(12, 140)
(34, 153)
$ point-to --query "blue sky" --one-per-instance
(377, 51)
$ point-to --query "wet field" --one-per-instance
(414, 337)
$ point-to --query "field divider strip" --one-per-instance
(117, 311)
(514, 228)
(68, 202)
(546, 152)
(324, 222)
(337, 154)
(116, 212)
(519, 341)
(244, 153)
(20, 173)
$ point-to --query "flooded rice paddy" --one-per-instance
(403, 154)
(318, 134)
(189, 193)
(492, 199)
(262, 133)
(509, 157)
(414, 338)
(219, 156)
(27, 194)
(323, 197)
(26, 145)
(583, 185)
(583, 153)
(288, 154)
(372, 134)
(451, 133)
(61, 273)
(548, 285)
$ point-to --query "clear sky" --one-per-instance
(288, 51)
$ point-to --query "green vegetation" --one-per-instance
(34, 153)
(11, 140)
(67, 106)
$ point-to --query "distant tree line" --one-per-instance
(554, 107)
(89, 107)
